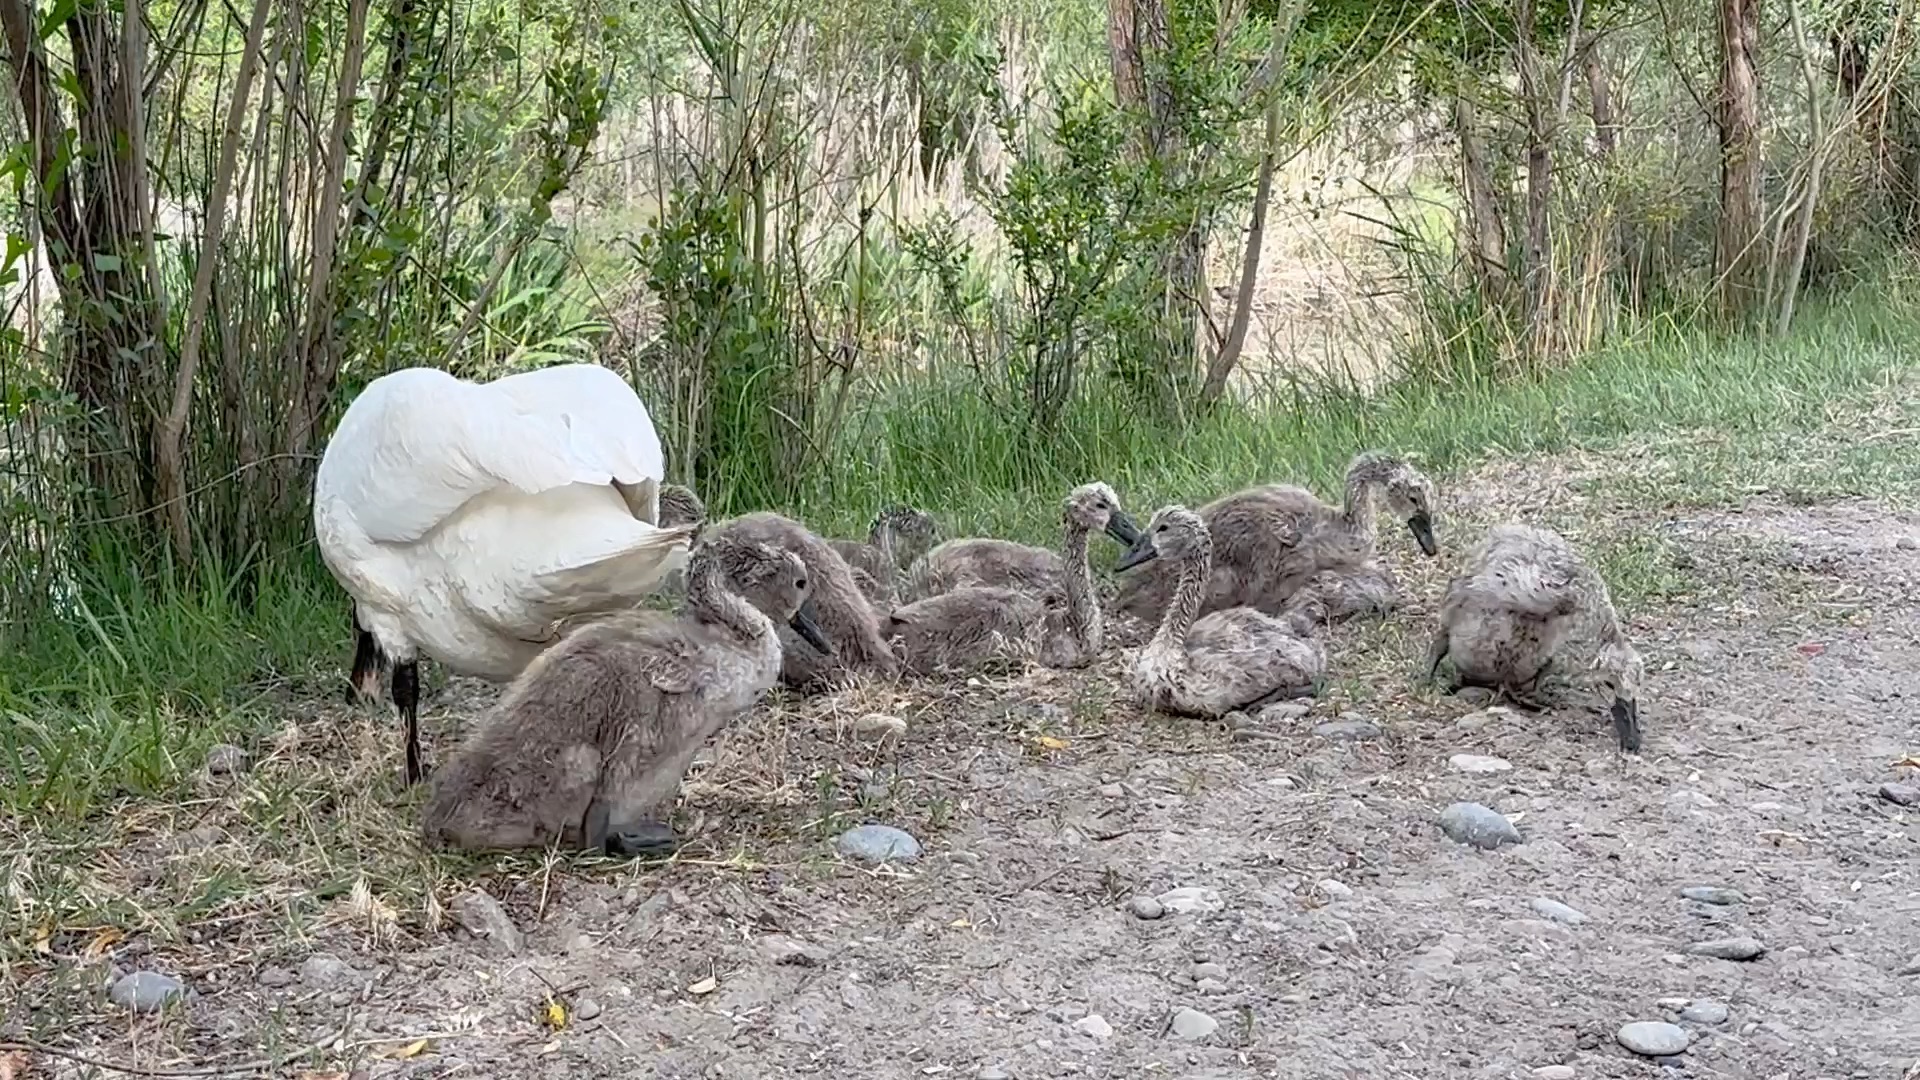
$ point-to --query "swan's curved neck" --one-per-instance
(1195, 571)
(710, 598)
(1083, 607)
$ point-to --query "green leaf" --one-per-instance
(107, 264)
(57, 16)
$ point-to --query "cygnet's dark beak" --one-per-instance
(1421, 525)
(1626, 723)
(1122, 528)
(1141, 551)
(803, 624)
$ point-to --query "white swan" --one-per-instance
(468, 519)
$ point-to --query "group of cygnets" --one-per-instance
(588, 745)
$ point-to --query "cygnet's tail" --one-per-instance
(615, 580)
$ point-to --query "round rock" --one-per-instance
(325, 970)
(146, 991)
(1713, 894)
(1900, 794)
(1190, 899)
(1557, 911)
(1478, 763)
(1553, 1072)
(226, 759)
(1653, 1038)
(1094, 1025)
(1705, 1012)
(1352, 729)
(1146, 907)
(1732, 948)
(1476, 826)
(1192, 1025)
(878, 843)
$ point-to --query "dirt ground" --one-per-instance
(1350, 937)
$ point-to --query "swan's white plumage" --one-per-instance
(465, 519)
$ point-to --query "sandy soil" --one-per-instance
(1350, 937)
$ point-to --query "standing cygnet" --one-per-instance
(589, 744)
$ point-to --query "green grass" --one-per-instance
(125, 699)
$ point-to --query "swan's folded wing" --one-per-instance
(608, 428)
(419, 443)
(613, 579)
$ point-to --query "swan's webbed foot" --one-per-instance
(643, 840)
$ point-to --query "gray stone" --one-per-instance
(1146, 907)
(226, 759)
(1713, 894)
(1653, 1038)
(1190, 899)
(147, 991)
(1557, 911)
(1211, 986)
(484, 918)
(1900, 794)
(1192, 1025)
(1337, 889)
(878, 843)
(793, 952)
(1207, 969)
(274, 977)
(1473, 695)
(325, 970)
(1282, 711)
(1732, 948)
(1478, 763)
(1477, 826)
(1705, 1012)
(992, 1072)
(1553, 1072)
(586, 1009)
(1094, 1025)
(1350, 729)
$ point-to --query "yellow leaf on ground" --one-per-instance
(102, 941)
(556, 1015)
(1048, 742)
(401, 1053)
(705, 986)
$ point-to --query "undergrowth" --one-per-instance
(122, 696)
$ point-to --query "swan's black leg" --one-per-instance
(406, 697)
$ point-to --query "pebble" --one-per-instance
(793, 952)
(484, 918)
(992, 1072)
(1336, 888)
(1190, 899)
(1349, 730)
(146, 991)
(1733, 948)
(1557, 911)
(1900, 794)
(1653, 1038)
(1473, 695)
(1705, 1012)
(1473, 824)
(1478, 763)
(274, 977)
(325, 970)
(1713, 894)
(1112, 791)
(586, 1009)
(1192, 1024)
(878, 843)
(1211, 986)
(1282, 711)
(1553, 1072)
(1209, 970)
(226, 759)
(1095, 1025)
(1146, 907)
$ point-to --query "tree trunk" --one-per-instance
(1738, 254)
(1816, 162)
(1486, 226)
